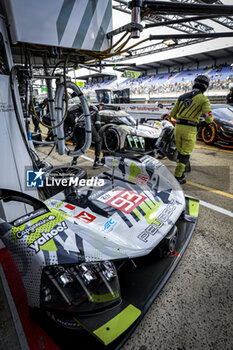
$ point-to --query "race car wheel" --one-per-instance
(209, 134)
(112, 140)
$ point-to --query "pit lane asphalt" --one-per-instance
(195, 308)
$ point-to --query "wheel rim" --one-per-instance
(208, 134)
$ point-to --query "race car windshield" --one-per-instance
(128, 120)
(224, 114)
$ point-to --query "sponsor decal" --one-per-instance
(96, 194)
(150, 231)
(167, 212)
(30, 216)
(158, 222)
(69, 206)
(85, 217)
(131, 74)
(109, 225)
(80, 83)
(32, 228)
(46, 237)
(5, 108)
(146, 108)
(150, 161)
(141, 179)
(125, 201)
(188, 102)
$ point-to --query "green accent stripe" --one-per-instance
(136, 212)
(63, 17)
(85, 23)
(97, 298)
(128, 138)
(103, 28)
(59, 205)
(141, 143)
(135, 141)
(117, 325)
(193, 207)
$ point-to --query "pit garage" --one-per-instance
(112, 252)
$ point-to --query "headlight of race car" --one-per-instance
(86, 287)
(135, 142)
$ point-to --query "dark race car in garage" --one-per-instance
(221, 130)
(121, 132)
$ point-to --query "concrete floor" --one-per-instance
(195, 308)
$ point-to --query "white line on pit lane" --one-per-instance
(90, 159)
(216, 208)
(87, 158)
(204, 204)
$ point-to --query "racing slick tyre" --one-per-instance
(63, 172)
(209, 134)
(112, 140)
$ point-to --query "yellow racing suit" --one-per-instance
(187, 111)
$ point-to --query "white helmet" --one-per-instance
(231, 86)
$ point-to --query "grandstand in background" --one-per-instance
(166, 79)
(152, 86)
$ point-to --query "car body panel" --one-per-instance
(123, 221)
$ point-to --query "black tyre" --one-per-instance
(209, 134)
(112, 140)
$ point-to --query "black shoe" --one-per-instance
(97, 164)
(181, 180)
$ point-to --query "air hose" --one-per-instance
(61, 148)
